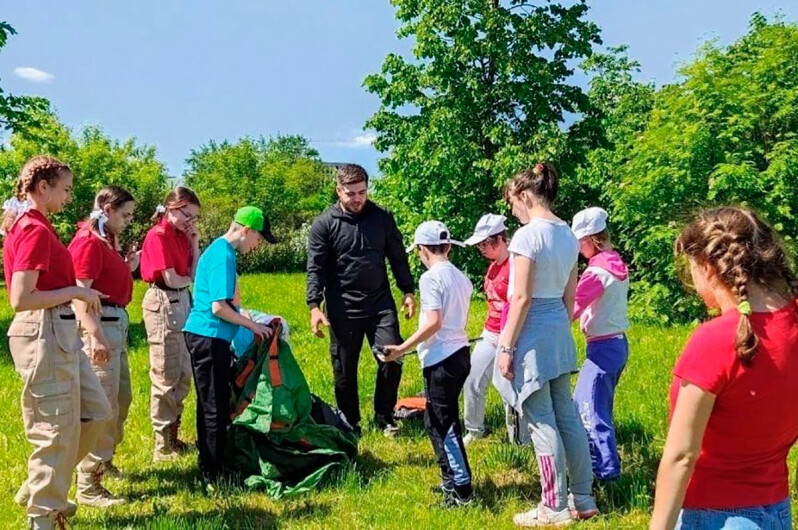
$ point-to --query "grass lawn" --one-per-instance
(391, 483)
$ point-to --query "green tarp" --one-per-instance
(274, 441)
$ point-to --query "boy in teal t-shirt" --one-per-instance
(210, 328)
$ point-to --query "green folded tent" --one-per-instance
(283, 440)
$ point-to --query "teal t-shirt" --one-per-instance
(215, 281)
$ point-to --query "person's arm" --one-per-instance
(400, 266)
(433, 323)
(523, 280)
(100, 351)
(193, 236)
(318, 248)
(682, 447)
(173, 280)
(23, 295)
(224, 310)
(570, 293)
(588, 290)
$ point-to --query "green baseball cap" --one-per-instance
(253, 218)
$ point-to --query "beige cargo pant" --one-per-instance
(164, 314)
(114, 377)
(64, 407)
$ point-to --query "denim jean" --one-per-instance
(770, 517)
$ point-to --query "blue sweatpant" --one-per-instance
(594, 396)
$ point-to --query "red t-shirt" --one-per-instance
(496, 281)
(754, 423)
(32, 245)
(164, 247)
(94, 259)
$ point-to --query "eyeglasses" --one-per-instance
(188, 216)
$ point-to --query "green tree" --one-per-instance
(282, 175)
(16, 112)
(727, 132)
(484, 95)
(96, 160)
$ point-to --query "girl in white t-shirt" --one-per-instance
(536, 354)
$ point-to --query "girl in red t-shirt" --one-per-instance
(100, 264)
(63, 404)
(735, 385)
(168, 262)
(490, 238)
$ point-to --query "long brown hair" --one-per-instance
(177, 198)
(39, 168)
(743, 250)
(115, 197)
(541, 180)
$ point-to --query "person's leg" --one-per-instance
(476, 384)
(383, 330)
(594, 397)
(346, 340)
(443, 384)
(181, 311)
(202, 362)
(539, 411)
(125, 396)
(218, 424)
(574, 437)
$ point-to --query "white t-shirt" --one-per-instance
(553, 248)
(445, 288)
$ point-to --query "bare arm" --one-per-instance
(23, 295)
(224, 310)
(523, 280)
(569, 296)
(174, 280)
(433, 324)
(91, 323)
(682, 447)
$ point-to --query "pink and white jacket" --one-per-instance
(601, 296)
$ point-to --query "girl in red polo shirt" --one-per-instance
(99, 264)
(63, 405)
(733, 418)
(168, 262)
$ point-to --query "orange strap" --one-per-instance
(274, 349)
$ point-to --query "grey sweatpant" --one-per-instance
(560, 442)
(475, 391)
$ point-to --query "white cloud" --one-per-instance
(359, 141)
(33, 74)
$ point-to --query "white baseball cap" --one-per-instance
(432, 233)
(488, 225)
(589, 222)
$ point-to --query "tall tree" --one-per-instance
(485, 93)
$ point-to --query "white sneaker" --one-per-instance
(391, 430)
(471, 436)
(543, 516)
(582, 506)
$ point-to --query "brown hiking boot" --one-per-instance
(164, 449)
(179, 445)
(56, 521)
(92, 493)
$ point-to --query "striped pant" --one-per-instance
(560, 442)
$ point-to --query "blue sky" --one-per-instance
(177, 74)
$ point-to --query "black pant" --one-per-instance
(443, 383)
(210, 362)
(346, 341)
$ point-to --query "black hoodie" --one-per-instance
(346, 261)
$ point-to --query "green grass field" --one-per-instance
(391, 483)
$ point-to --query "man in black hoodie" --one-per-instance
(347, 249)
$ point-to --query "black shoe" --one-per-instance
(458, 496)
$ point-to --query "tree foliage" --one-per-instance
(484, 95)
(16, 112)
(96, 160)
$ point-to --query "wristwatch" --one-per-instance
(509, 350)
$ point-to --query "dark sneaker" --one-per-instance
(457, 497)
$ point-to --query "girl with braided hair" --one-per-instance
(735, 386)
(64, 407)
(100, 264)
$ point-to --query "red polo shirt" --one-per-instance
(496, 281)
(164, 248)
(95, 260)
(32, 245)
